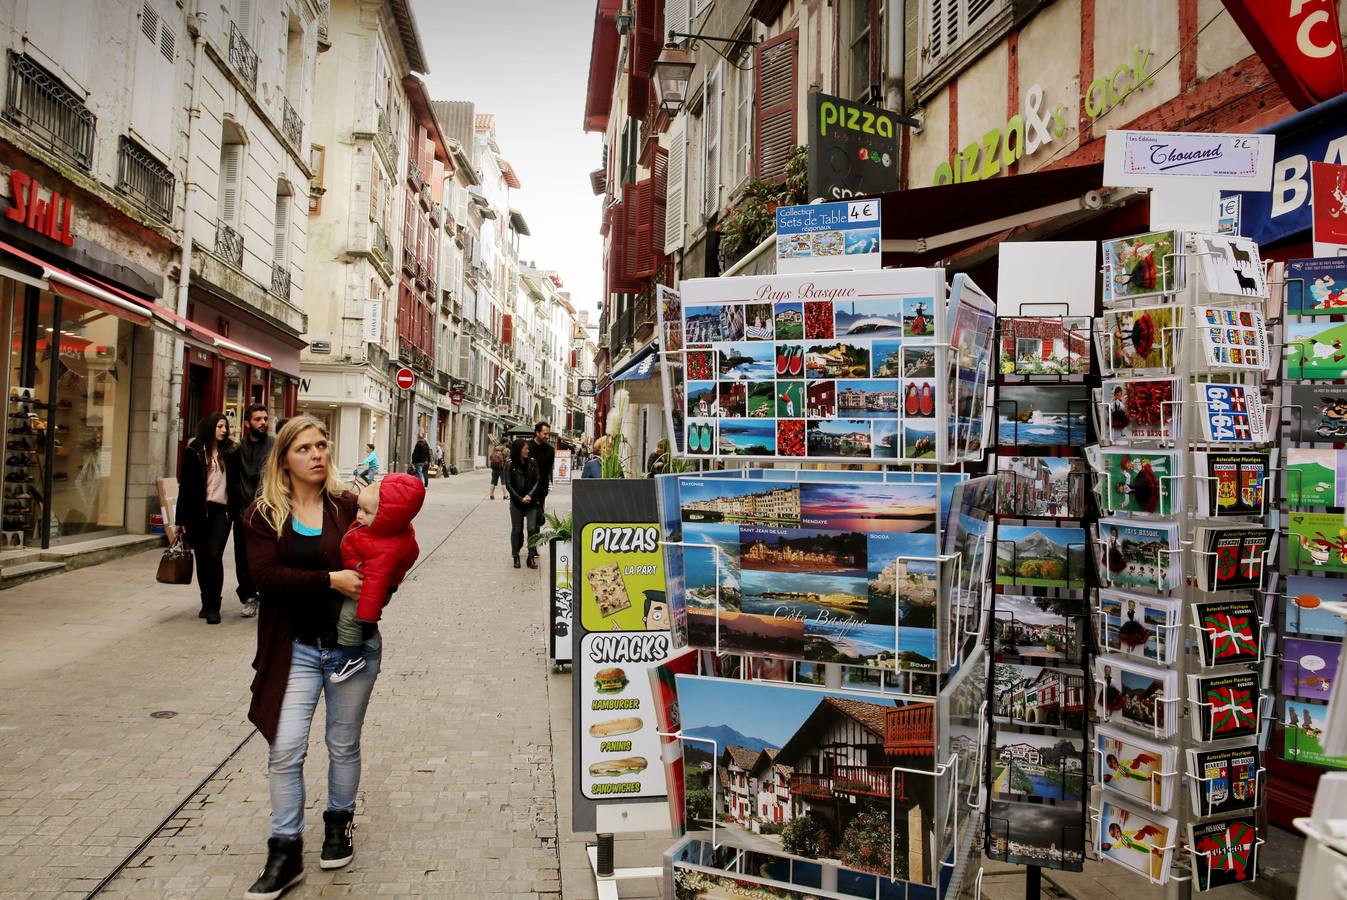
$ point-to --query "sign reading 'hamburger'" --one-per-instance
(626, 633)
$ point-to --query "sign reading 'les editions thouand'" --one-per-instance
(1229, 161)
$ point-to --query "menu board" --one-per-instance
(839, 367)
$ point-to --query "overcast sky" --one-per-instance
(528, 63)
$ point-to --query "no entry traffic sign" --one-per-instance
(406, 378)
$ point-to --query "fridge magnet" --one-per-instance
(1232, 337)
(1046, 345)
(1139, 341)
(1233, 483)
(1315, 351)
(1138, 555)
(1136, 695)
(1040, 556)
(1316, 477)
(1142, 265)
(1303, 727)
(1040, 487)
(1223, 781)
(1316, 287)
(1231, 265)
(1318, 541)
(1042, 416)
(1317, 412)
(1231, 413)
(1140, 409)
(1136, 481)
(1309, 668)
(1304, 612)
(1035, 834)
(1138, 627)
(1133, 767)
(1224, 851)
(1226, 705)
(1142, 841)
(1229, 632)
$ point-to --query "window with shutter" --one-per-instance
(153, 86)
(243, 18)
(676, 179)
(677, 16)
(659, 191)
(231, 174)
(743, 122)
(949, 24)
(375, 176)
(711, 121)
(643, 47)
(280, 245)
(775, 68)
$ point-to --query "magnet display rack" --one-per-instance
(1170, 859)
(1027, 762)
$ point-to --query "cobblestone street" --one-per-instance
(121, 701)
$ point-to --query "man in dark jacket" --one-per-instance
(545, 455)
(421, 459)
(244, 481)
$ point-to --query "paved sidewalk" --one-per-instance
(457, 798)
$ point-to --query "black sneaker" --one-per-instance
(338, 839)
(212, 617)
(284, 869)
(346, 668)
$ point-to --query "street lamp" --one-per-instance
(673, 71)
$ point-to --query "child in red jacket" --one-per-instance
(381, 545)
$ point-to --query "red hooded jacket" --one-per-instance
(385, 550)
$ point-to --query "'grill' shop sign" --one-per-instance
(1037, 125)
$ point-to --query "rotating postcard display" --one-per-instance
(1183, 557)
(1037, 755)
(824, 699)
(1315, 560)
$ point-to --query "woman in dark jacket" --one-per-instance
(294, 531)
(522, 480)
(203, 507)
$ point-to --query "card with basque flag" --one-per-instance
(1226, 705)
(1230, 632)
(1224, 851)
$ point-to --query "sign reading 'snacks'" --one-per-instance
(853, 148)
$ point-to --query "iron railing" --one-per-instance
(420, 273)
(144, 179)
(241, 56)
(49, 112)
(378, 243)
(408, 260)
(291, 125)
(228, 244)
(414, 175)
(280, 280)
(383, 137)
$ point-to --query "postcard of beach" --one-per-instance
(1036, 627)
(1034, 834)
(715, 546)
(839, 437)
(806, 550)
(804, 596)
(884, 550)
(886, 358)
(880, 317)
(869, 507)
(748, 437)
(1305, 596)
(869, 398)
(746, 727)
(1038, 765)
(739, 500)
(747, 361)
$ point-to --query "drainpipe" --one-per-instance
(197, 26)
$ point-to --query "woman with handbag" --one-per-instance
(294, 531)
(203, 507)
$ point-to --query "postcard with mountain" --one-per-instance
(1040, 556)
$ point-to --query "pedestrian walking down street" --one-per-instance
(245, 478)
(203, 507)
(545, 455)
(499, 454)
(523, 480)
(594, 465)
(421, 459)
(294, 532)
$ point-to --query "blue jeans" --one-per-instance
(422, 472)
(310, 669)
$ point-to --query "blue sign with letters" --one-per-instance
(823, 236)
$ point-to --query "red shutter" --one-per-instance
(620, 281)
(775, 67)
(644, 49)
(642, 253)
(660, 178)
(632, 255)
(507, 329)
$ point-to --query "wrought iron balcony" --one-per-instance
(414, 175)
(378, 243)
(292, 127)
(241, 56)
(408, 260)
(144, 179)
(48, 112)
(421, 273)
(280, 280)
(383, 138)
(228, 244)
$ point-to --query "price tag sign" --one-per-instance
(1219, 161)
(824, 237)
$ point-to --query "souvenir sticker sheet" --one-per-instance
(1231, 413)
(1316, 287)
(1224, 851)
(1140, 409)
(1045, 345)
(1234, 558)
(1139, 341)
(1232, 337)
(1232, 483)
(1142, 265)
(1231, 265)
(1226, 705)
(1229, 632)
(836, 367)
(1316, 351)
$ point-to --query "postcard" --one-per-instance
(1226, 705)
(1141, 409)
(1314, 350)
(1224, 780)
(1137, 481)
(789, 321)
(746, 437)
(746, 361)
(1303, 726)
(1134, 554)
(1316, 477)
(1036, 627)
(1134, 767)
(1318, 541)
(1136, 695)
(1233, 483)
(880, 398)
(1139, 627)
(1309, 668)
(1232, 337)
(1035, 765)
(1047, 487)
(1034, 834)
(1045, 345)
(1230, 632)
(1231, 265)
(842, 438)
(837, 359)
(1304, 612)
(876, 317)
(1316, 287)
(1224, 851)
(1231, 413)
(1142, 265)
(1042, 415)
(1317, 412)
(1137, 839)
(1139, 341)
(782, 739)
(1040, 556)
(1235, 558)
(1039, 695)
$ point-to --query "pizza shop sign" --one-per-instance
(53, 217)
(1038, 126)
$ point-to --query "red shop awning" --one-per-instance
(602, 65)
(74, 287)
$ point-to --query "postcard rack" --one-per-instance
(1181, 699)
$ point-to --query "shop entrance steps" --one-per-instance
(19, 566)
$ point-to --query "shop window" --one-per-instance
(949, 25)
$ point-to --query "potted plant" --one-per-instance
(556, 533)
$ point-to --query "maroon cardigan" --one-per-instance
(282, 587)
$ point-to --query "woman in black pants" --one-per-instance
(203, 507)
(522, 480)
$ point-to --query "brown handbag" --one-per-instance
(175, 566)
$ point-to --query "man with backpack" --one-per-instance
(497, 461)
